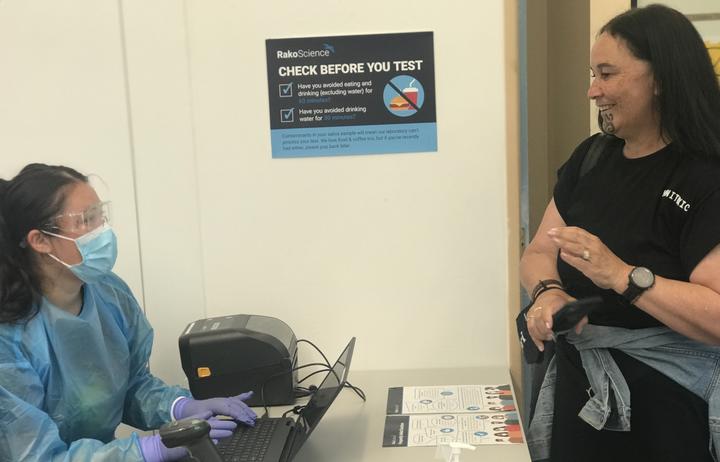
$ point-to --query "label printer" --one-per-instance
(229, 355)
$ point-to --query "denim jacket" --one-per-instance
(693, 365)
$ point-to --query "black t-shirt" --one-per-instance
(661, 211)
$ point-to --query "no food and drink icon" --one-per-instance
(403, 96)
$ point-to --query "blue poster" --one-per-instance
(351, 95)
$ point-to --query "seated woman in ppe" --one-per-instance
(641, 229)
(74, 343)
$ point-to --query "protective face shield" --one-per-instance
(98, 249)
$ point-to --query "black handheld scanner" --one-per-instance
(193, 434)
(572, 312)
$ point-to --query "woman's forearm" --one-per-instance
(537, 266)
(690, 309)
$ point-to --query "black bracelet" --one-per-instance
(544, 286)
(541, 291)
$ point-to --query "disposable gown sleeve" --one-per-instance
(27, 434)
(148, 399)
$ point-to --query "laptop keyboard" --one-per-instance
(248, 444)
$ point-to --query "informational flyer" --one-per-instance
(354, 94)
(450, 398)
(472, 414)
(432, 429)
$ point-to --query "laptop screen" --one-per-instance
(328, 390)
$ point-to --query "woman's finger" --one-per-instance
(579, 326)
(538, 327)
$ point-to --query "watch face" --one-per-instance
(642, 277)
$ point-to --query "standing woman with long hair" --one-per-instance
(636, 379)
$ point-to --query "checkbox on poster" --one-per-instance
(286, 115)
(285, 90)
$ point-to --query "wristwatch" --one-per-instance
(640, 279)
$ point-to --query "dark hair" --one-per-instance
(688, 90)
(29, 201)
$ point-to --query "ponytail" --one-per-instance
(14, 296)
(27, 202)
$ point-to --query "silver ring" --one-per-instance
(586, 255)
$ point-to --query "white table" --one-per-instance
(352, 431)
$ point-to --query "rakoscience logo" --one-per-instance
(326, 51)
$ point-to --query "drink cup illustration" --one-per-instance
(412, 94)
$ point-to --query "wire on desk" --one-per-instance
(359, 391)
(295, 410)
(300, 392)
(327, 363)
(262, 386)
(319, 371)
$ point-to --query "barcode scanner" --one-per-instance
(572, 312)
(193, 434)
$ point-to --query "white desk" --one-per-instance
(352, 431)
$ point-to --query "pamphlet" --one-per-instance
(471, 414)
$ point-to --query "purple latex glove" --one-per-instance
(219, 428)
(153, 450)
(232, 407)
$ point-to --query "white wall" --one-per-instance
(164, 145)
(62, 101)
(709, 29)
(406, 252)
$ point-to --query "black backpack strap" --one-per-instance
(536, 361)
(596, 148)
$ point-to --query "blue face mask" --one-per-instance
(98, 249)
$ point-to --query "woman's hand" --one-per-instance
(539, 318)
(587, 253)
(233, 406)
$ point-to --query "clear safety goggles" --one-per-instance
(82, 222)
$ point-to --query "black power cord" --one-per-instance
(279, 374)
(301, 392)
(358, 391)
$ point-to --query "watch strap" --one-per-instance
(632, 292)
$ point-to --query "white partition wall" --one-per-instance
(159, 88)
(406, 252)
(63, 101)
(168, 101)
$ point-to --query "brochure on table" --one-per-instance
(472, 414)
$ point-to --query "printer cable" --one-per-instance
(303, 392)
(262, 386)
(358, 391)
(327, 363)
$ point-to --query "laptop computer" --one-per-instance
(274, 439)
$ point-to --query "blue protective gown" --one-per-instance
(66, 382)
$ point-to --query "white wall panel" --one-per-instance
(62, 101)
(407, 252)
(168, 210)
